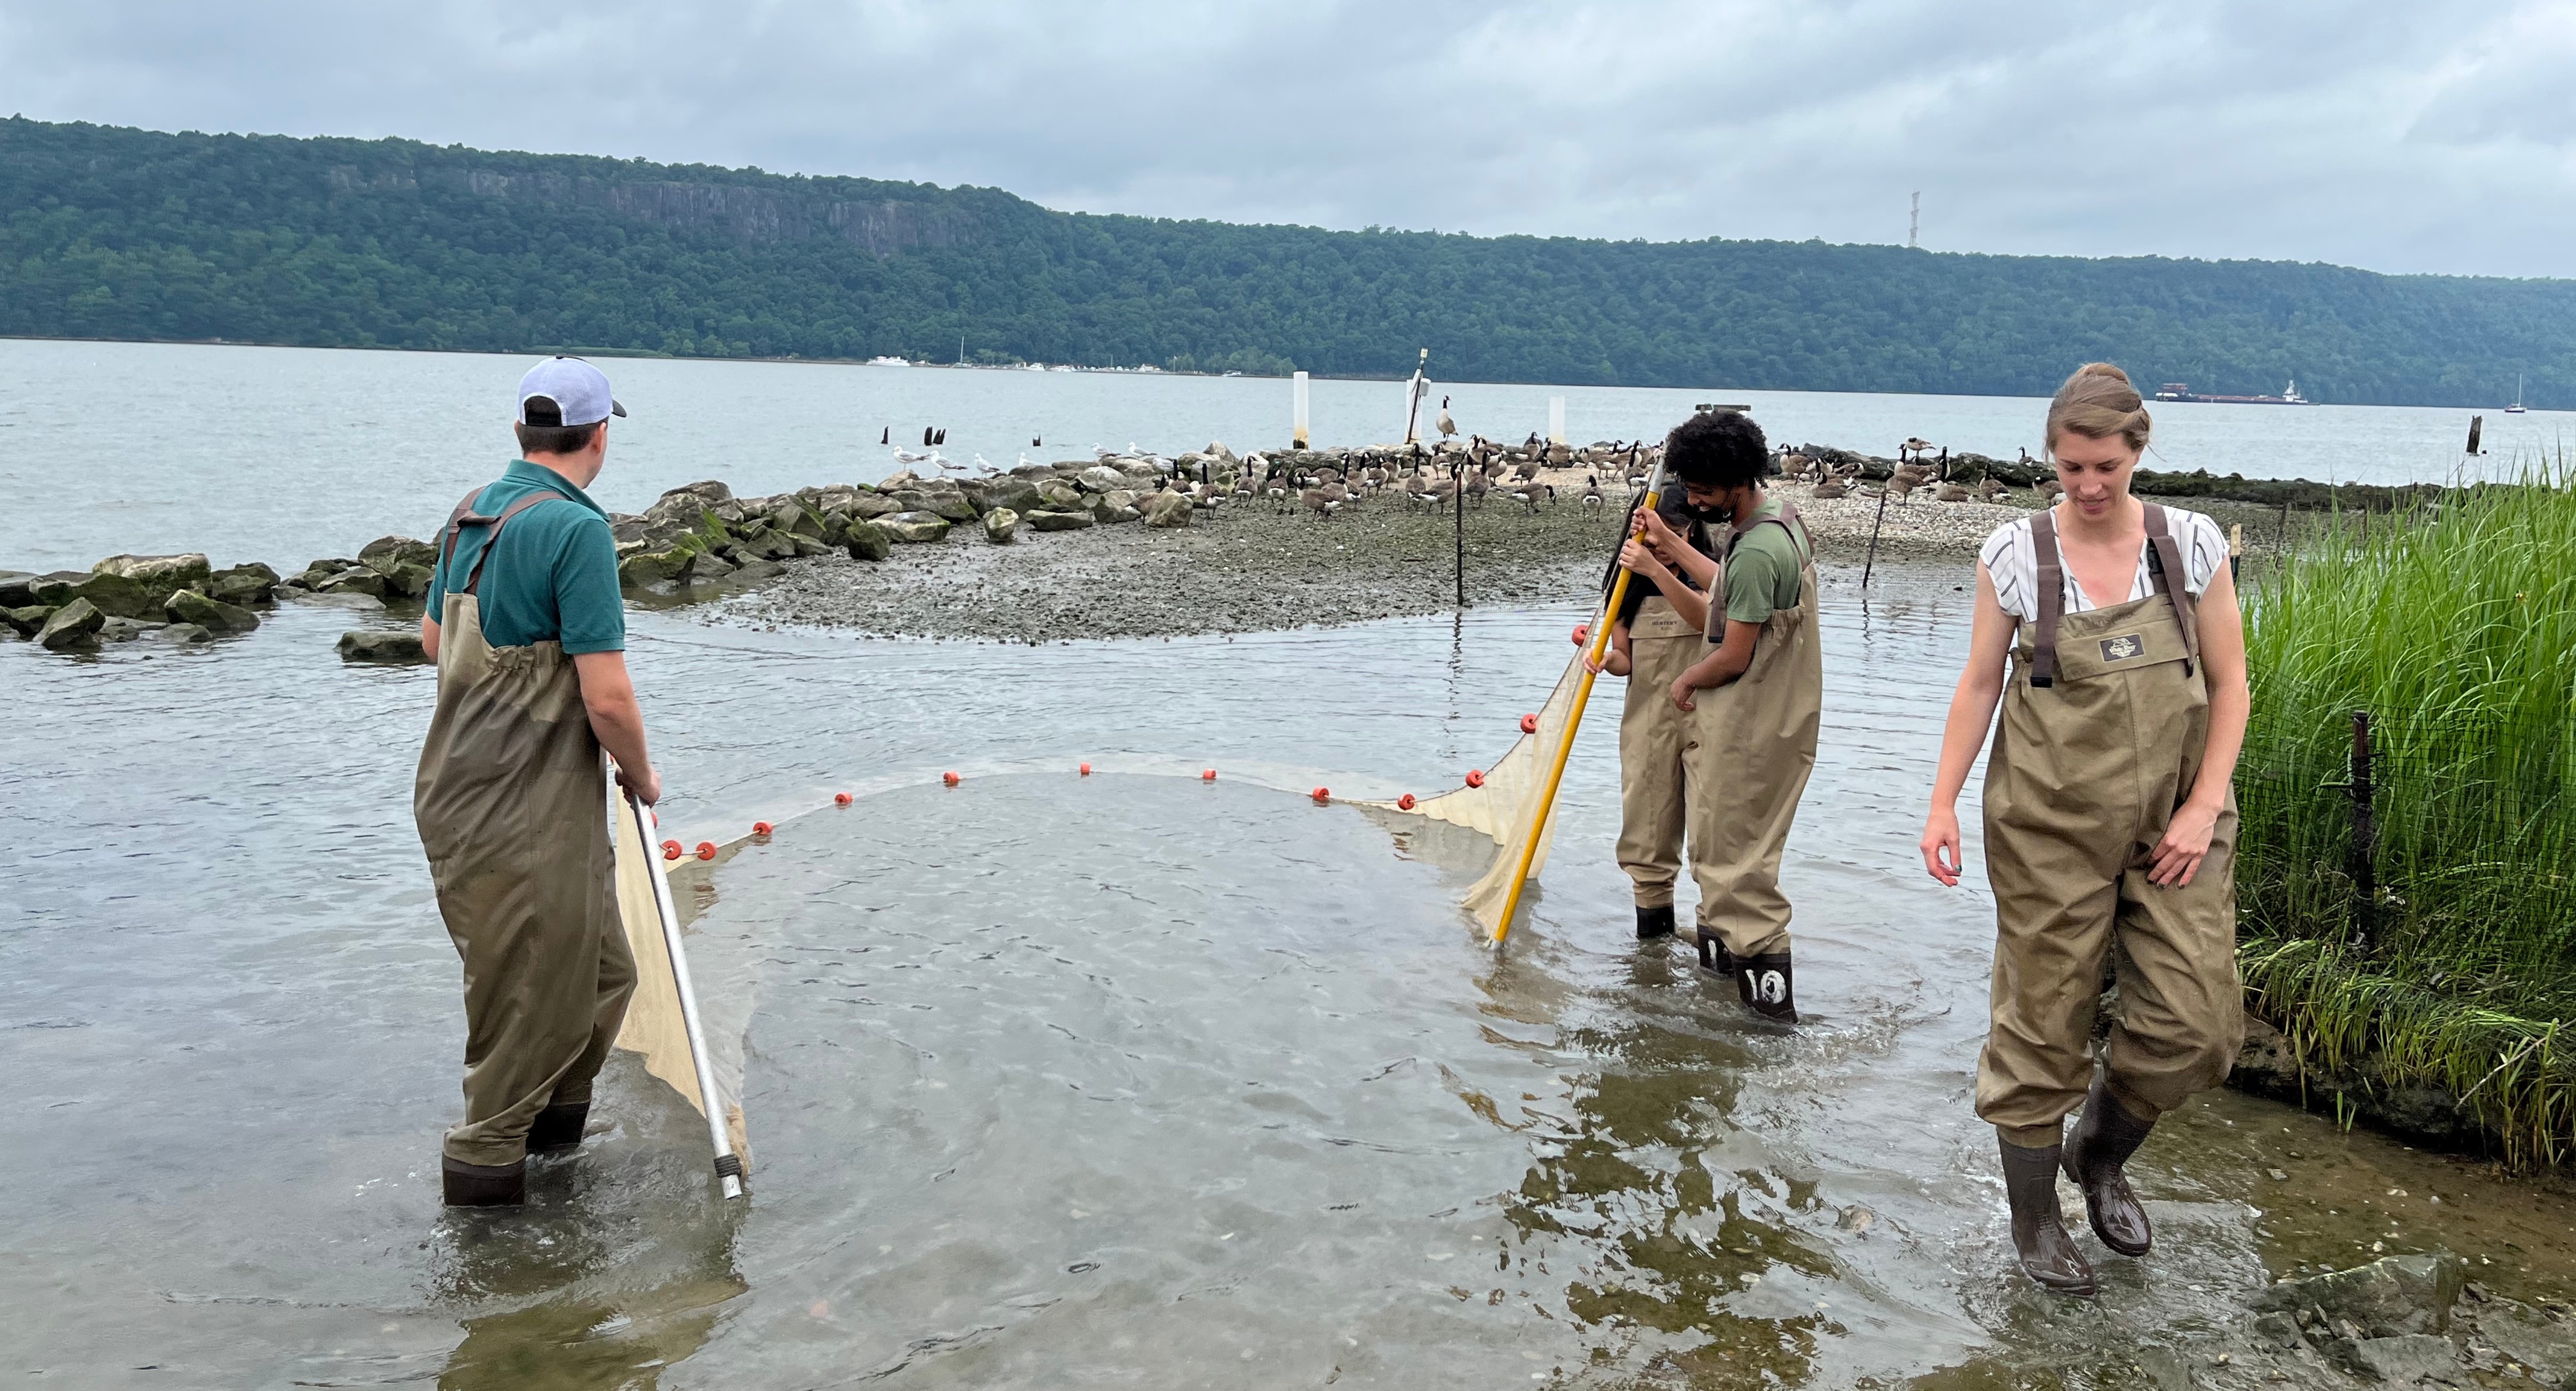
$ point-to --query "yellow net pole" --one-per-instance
(1597, 650)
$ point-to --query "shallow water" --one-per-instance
(285, 455)
(1130, 1079)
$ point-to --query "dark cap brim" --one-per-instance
(615, 409)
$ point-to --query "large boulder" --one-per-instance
(56, 589)
(1001, 526)
(243, 584)
(386, 645)
(72, 627)
(948, 503)
(792, 519)
(1110, 503)
(189, 606)
(645, 569)
(764, 543)
(870, 506)
(17, 589)
(356, 580)
(26, 620)
(119, 596)
(707, 567)
(915, 527)
(1047, 519)
(2390, 1297)
(1060, 495)
(160, 575)
(386, 552)
(1033, 471)
(1167, 510)
(1100, 478)
(866, 540)
(755, 570)
(1009, 491)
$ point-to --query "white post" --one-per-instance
(1556, 420)
(1297, 404)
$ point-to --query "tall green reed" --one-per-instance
(2454, 626)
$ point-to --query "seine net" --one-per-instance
(656, 1025)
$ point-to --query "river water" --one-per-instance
(1130, 1079)
(287, 454)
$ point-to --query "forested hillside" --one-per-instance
(116, 233)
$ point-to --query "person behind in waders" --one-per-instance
(2110, 822)
(1655, 638)
(528, 628)
(1751, 705)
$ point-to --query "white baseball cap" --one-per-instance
(577, 389)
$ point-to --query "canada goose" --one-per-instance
(1278, 498)
(1477, 485)
(1832, 488)
(1952, 492)
(1525, 472)
(1592, 492)
(1447, 426)
(1903, 485)
(1318, 504)
(2050, 488)
(1990, 489)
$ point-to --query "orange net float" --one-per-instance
(840, 799)
(1582, 633)
(670, 850)
(760, 828)
(1086, 770)
(1529, 724)
(1475, 777)
(1323, 794)
(1207, 775)
(1405, 802)
(948, 778)
(706, 850)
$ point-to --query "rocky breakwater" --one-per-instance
(168, 598)
(701, 541)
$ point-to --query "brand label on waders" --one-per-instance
(2123, 647)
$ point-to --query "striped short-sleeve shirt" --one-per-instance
(2012, 562)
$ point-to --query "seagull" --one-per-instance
(906, 456)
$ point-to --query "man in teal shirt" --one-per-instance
(529, 631)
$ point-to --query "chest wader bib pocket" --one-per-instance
(510, 801)
(2105, 720)
(1655, 787)
(1755, 746)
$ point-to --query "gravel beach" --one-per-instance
(1249, 567)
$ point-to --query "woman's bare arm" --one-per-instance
(1972, 713)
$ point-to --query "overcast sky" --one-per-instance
(2400, 135)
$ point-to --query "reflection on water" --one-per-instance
(1129, 1079)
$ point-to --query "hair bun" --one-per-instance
(2103, 369)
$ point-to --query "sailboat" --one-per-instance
(2516, 407)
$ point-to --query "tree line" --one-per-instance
(108, 232)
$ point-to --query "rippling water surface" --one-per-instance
(1127, 1080)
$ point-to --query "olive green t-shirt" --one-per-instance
(1764, 570)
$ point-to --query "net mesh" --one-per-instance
(655, 1027)
(1511, 807)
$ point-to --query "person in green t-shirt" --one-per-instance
(1754, 703)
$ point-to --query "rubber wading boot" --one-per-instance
(2103, 1141)
(483, 1185)
(1654, 922)
(558, 1128)
(1763, 981)
(2048, 1255)
(1714, 958)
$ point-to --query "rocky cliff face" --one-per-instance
(745, 215)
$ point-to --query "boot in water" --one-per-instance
(1763, 981)
(1654, 922)
(2048, 1255)
(483, 1185)
(1714, 958)
(2103, 1141)
(558, 1128)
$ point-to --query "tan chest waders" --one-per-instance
(1654, 778)
(510, 801)
(2105, 718)
(1751, 745)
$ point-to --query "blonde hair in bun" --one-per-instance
(2098, 402)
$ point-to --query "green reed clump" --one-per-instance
(2454, 626)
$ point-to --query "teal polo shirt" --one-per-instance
(552, 576)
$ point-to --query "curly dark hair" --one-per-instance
(1717, 449)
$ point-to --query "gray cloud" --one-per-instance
(2406, 137)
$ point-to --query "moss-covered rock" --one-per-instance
(26, 620)
(915, 528)
(243, 584)
(866, 540)
(72, 628)
(189, 606)
(118, 596)
(1050, 519)
(1001, 526)
(160, 575)
(387, 646)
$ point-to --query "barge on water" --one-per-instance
(2181, 391)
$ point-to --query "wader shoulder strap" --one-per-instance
(2051, 596)
(466, 516)
(2164, 560)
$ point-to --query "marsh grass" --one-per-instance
(2455, 627)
